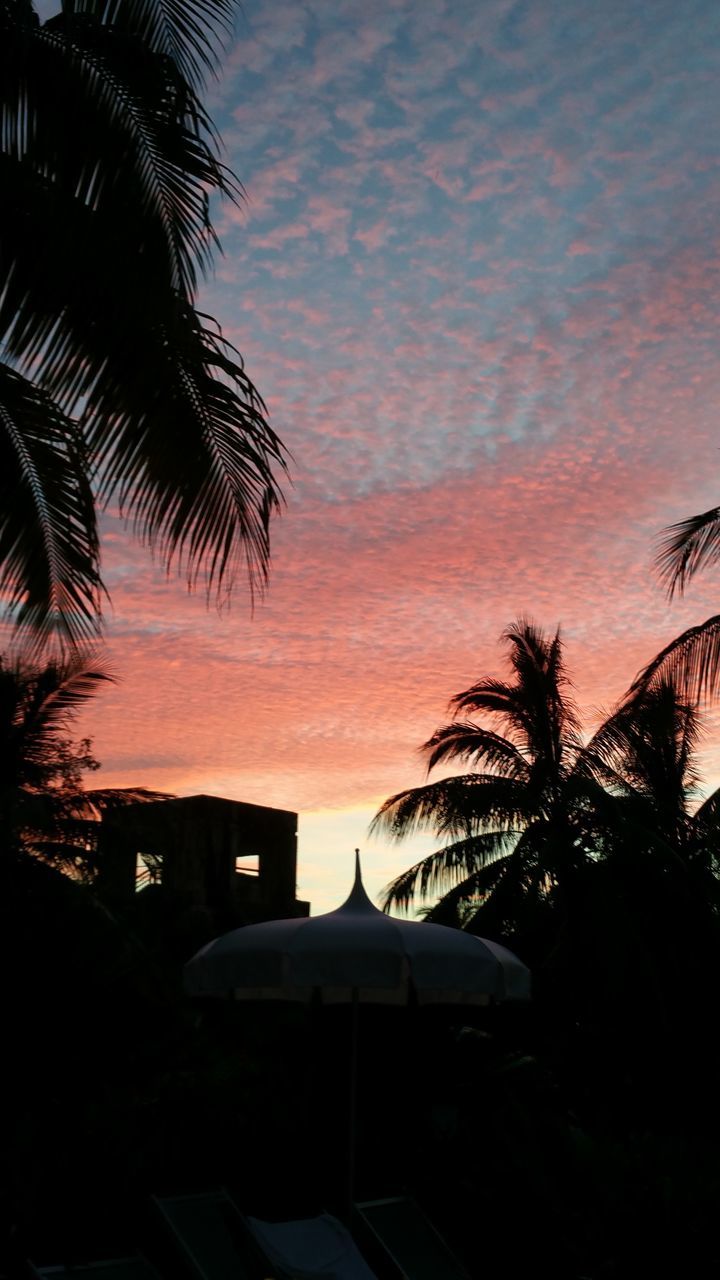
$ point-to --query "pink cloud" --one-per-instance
(580, 249)
(279, 237)
(374, 237)
(330, 220)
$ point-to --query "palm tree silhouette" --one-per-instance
(541, 808)
(646, 755)
(692, 660)
(112, 384)
(45, 810)
(519, 825)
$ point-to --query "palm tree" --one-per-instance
(113, 386)
(646, 755)
(45, 810)
(688, 546)
(527, 818)
(692, 660)
(541, 807)
(653, 902)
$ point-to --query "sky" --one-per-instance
(476, 277)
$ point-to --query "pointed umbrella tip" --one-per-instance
(358, 882)
(358, 894)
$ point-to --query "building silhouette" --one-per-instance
(236, 860)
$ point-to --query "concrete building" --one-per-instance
(237, 860)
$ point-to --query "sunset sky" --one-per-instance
(477, 279)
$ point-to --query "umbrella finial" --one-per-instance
(358, 899)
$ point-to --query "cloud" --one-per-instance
(279, 237)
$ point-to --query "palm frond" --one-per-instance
(708, 813)
(454, 907)
(469, 742)
(194, 467)
(446, 868)
(591, 792)
(691, 662)
(175, 424)
(704, 843)
(48, 696)
(531, 650)
(651, 744)
(535, 709)
(190, 32)
(107, 799)
(108, 199)
(688, 546)
(147, 165)
(644, 732)
(550, 716)
(48, 535)
(594, 770)
(455, 808)
(518, 895)
(490, 696)
(38, 703)
(610, 743)
(91, 805)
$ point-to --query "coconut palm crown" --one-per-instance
(113, 385)
(541, 806)
(520, 822)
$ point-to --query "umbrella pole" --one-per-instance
(352, 1101)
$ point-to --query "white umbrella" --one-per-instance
(355, 954)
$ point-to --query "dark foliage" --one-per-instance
(542, 809)
(45, 809)
(113, 385)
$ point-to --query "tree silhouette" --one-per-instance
(45, 810)
(692, 660)
(542, 808)
(113, 386)
(520, 824)
(646, 755)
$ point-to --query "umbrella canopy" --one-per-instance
(357, 953)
